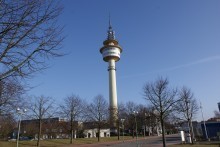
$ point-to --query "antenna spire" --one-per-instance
(111, 33)
(110, 25)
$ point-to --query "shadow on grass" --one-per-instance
(59, 141)
(44, 143)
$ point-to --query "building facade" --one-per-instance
(212, 128)
(91, 133)
(54, 128)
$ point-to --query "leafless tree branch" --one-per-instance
(29, 34)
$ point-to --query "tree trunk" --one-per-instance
(191, 130)
(99, 134)
(71, 137)
(71, 129)
(118, 130)
(39, 133)
(163, 131)
(133, 133)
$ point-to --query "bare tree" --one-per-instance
(121, 110)
(29, 35)
(143, 112)
(162, 98)
(187, 108)
(130, 107)
(41, 108)
(11, 97)
(7, 125)
(97, 112)
(72, 109)
(11, 92)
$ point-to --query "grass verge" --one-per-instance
(60, 142)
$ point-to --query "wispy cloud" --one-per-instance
(201, 61)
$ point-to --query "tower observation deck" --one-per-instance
(111, 53)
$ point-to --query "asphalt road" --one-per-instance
(154, 141)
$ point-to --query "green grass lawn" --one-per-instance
(60, 142)
(64, 142)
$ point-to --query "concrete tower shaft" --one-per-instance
(113, 107)
(112, 83)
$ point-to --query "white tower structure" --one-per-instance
(111, 53)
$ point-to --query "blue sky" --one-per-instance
(178, 39)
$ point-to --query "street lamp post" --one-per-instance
(145, 115)
(135, 115)
(149, 124)
(206, 134)
(20, 113)
(189, 115)
(193, 136)
(123, 127)
(189, 120)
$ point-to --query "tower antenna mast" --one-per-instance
(109, 22)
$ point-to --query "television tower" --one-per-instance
(111, 53)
